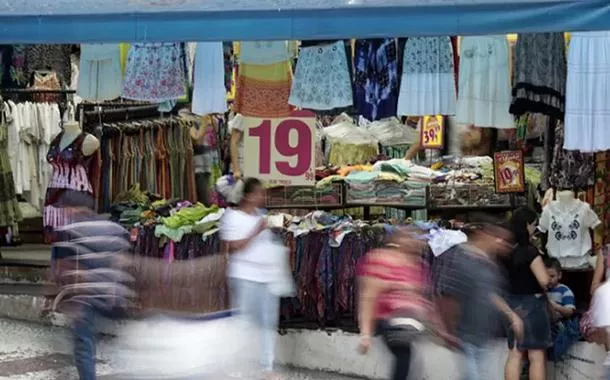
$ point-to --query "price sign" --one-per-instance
(281, 151)
(509, 171)
(432, 132)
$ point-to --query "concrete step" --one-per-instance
(10, 274)
(34, 255)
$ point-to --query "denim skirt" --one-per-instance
(533, 310)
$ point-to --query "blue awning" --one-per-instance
(77, 21)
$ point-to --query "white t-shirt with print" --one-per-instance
(254, 262)
(569, 238)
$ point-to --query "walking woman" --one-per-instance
(253, 266)
(392, 301)
(528, 281)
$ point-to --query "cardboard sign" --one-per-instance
(281, 151)
(432, 132)
(509, 171)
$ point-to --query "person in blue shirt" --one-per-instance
(565, 325)
(561, 298)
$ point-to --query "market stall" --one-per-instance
(376, 131)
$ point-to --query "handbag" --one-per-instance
(282, 285)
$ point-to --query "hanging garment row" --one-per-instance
(156, 155)
(31, 128)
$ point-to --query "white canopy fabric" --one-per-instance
(49, 21)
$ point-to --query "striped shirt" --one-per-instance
(86, 268)
(562, 295)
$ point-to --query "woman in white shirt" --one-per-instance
(252, 266)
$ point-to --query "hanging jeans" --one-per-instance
(261, 307)
(83, 333)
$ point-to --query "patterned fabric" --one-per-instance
(428, 84)
(539, 74)
(70, 188)
(12, 66)
(49, 57)
(569, 168)
(322, 79)
(46, 82)
(229, 63)
(10, 213)
(263, 90)
(155, 72)
(376, 78)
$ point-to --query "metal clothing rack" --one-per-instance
(93, 118)
(17, 94)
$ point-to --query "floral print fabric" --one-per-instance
(155, 72)
(322, 80)
(376, 78)
(12, 66)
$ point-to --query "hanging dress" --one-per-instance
(209, 93)
(69, 188)
(588, 92)
(376, 78)
(322, 78)
(100, 75)
(155, 72)
(10, 213)
(428, 78)
(484, 94)
(539, 75)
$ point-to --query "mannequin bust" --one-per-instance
(71, 131)
(565, 199)
(569, 222)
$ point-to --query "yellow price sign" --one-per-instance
(433, 132)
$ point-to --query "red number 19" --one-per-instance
(302, 149)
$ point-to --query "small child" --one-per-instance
(561, 298)
(565, 325)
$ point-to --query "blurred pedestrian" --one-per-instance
(528, 281)
(392, 303)
(253, 266)
(600, 310)
(88, 267)
(474, 282)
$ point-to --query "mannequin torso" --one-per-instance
(71, 132)
(565, 200)
(568, 221)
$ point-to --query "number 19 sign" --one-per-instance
(281, 151)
